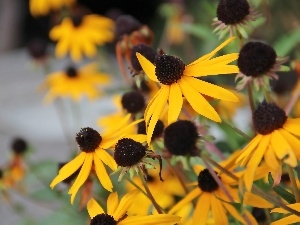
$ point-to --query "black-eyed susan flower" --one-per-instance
(259, 62)
(43, 7)
(288, 218)
(75, 83)
(275, 141)
(176, 80)
(80, 35)
(93, 154)
(131, 155)
(215, 201)
(233, 16)
(116, 213)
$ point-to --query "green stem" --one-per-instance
(250, 97)
(294, 184)
(136, 186)
(236, 129)
(149, 194)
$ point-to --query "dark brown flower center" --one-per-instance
(88, 139)
(169, 69)
(71, 72)
(145, 50)
(268, 117)
(103, 219)
(206, 181)
(133, 101)
(19, 146)
(232, 11)
(256, 59)
(77, 20)
(180, 138)
(158, 129)
(128, 152)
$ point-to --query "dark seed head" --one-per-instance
(206, 181)
(103, 219)
(77, 20)
(19, 146)
(158, 130)
(180, 138)
(259, 214)
(133, 101)
(268, 117)
(285, 178)
(169, 69)
(1, 174)
(71, 72)
(232, 12)
(145, 50)
(125, 25)
(144, 87)
(128, 152)
(37, 48)
(256, 59)
(285, 83)
(88, 139)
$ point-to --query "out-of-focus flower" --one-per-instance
(117, 213)
(258, 62)
(43, 7)
(176, 80)
(276, 141)
(75, 83)
(288, 219)
(81, 34)
(233, 16)
(93, 154)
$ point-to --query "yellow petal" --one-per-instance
(82, 176)
(211, 54)
(255, 160)
(124, 204)
(256, 201)
(152, 105)
(68, 169)
(248, 150)
(292, 125)
(287, 220)
(202, 209)
(211, 90)
(102, 175)
(295, 206)
(293, 141)
(114, 129)
(198, 102)
(271, 159)
(187, 199)
(161, 219)
(161, 103)
(218, 211)
(94, 208)
(106, 158)
(221, 60)
(234, 212)
(175, 103)
(138, 137)
(112, 203)
(197, 70)
(147, 66)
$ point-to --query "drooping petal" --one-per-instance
(293, 141)
(211, 89)
(255, 160)
(102, 174)
(94, 208)
(187, 199)
(211, 54)
(112, 203)
(175, 103)
(106, 158)
(199, 71)
(221, 60)
(233, 212)
(68, 169)
(292, 219)
(218, 211)
(110, 132)
(292, 125)
(198, 102)
(147, 66)
(161, 219)
(202, 209)
(82, 176)
(124, 204)
(271, 159)
(295, 206)
(256, 201)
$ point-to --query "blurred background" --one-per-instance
(23, 115)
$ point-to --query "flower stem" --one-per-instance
(149, 194)
(250, 97)
(236, 129)
(294, 184)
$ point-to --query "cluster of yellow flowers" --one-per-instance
(159, 141)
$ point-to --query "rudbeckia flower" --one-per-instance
(93, 154)
(43, 7)
(75, 83)
(288, 219)
(116, 213)
(176, 80)
(275, 141)
(81, 35)
(214, 201)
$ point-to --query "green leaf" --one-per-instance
(286, 43)
(290, 198)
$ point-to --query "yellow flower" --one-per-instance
(82, 35)
(214, 203)
(289, 219)
(176, 80)
(116, 213)
(75, 83)
(93, 148)
(43, 7)
(275, 141)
